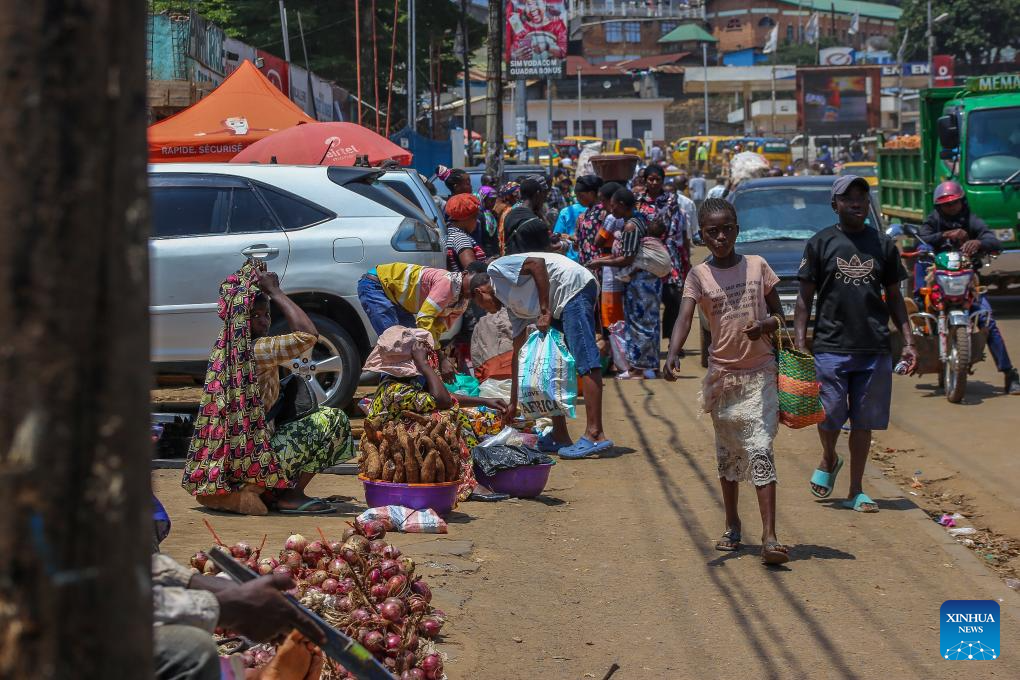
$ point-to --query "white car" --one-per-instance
(319, 228)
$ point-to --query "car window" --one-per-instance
(293, 212)
(248, 214)
(786, 212)
(189, 210)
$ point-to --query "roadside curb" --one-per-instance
(985, 579)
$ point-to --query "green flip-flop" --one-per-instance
(827, 480)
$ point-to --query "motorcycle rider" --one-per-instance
(951, 224)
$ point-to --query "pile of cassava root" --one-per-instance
(413, 449)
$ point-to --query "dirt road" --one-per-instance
(615, 564)
(968, 449)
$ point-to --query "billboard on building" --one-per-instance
(536, 37)
(276, 69)
(842, 101)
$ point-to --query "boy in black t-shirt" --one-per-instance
(850, 265)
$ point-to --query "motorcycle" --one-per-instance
(949, 331)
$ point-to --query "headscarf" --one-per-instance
(510, 192)
(442, 172)
(462, 207)
(392, 352)
(485, 191)
(230, 448)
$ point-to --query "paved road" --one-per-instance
(614, 564)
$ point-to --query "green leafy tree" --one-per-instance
(802, 54)
(329, 29)
(974, 31)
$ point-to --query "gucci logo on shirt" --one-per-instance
(855, 272)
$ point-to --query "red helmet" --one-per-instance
(947, 192)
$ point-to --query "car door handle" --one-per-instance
(260, 250)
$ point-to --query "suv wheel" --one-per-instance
(334, 367)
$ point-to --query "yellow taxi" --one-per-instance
(866, 169)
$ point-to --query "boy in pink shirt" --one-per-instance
(737, 296)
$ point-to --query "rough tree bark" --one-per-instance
(494, 92)
(75, 504)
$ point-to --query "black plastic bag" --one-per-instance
(492, 459)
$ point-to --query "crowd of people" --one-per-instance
(613, 259)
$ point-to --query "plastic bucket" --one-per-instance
(526, 481)
(438, 497)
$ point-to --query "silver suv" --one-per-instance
(319, 228)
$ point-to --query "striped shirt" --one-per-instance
(630, 239)
(456, 241)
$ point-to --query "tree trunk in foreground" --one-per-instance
(75, 504)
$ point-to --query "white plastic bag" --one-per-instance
(494, 388)
(618, 344)
(500, 438)
(547, 376)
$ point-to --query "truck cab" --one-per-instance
(970, 134)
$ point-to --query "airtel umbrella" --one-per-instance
(323, 144)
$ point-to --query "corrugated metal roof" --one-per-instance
(866, 9)
(653, 62)
(688, 33)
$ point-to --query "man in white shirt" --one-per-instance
(547, 289)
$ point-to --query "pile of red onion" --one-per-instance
(362, 586)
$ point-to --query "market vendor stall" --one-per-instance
(245, 108)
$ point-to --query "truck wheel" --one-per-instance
(706, 342)
(335, 364)
(958, 365)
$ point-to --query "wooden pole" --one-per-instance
(357, 51)
(375, 67)
(494, 92)
(75, 492)
(393, 58)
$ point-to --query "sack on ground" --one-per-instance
(547, 376)
(618, 345)
(799, 402)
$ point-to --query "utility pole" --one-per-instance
(549, 117)
(704, 63)
(76, 528)
(521, 116)
(286, 32)
(931, 49)
(773, 100)
(308, 71)
(412, 84)
(494, 92)
(467, 82)
(579, 99)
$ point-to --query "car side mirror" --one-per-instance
(949, 131)
(895, 230)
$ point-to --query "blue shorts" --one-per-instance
(382, 312)
(578, 325)
(857, 387)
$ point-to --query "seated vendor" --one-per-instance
(409, 363)
(188, 607)
(243, 457)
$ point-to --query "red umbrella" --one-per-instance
(323, 144)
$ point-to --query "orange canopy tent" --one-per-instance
(245, 108)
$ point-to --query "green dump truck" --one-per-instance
(970, 134)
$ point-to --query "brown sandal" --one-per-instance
(774, 553)
(247, 501)
(730, 541)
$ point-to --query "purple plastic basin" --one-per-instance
(438, 497)
(526, 481)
